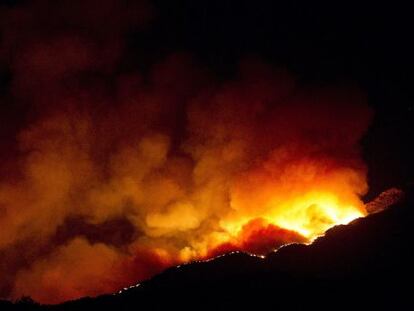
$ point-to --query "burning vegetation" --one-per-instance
(115, 175)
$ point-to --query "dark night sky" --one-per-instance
(365, 43)
(323, 41)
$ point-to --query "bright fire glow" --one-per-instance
(313, 214)
(307, 216)
(106, 194)
(310, 216)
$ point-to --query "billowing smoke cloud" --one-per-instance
(114, 175)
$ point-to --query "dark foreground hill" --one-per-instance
(367, 264)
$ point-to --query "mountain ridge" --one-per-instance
(365, 263)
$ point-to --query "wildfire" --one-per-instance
(301, 219)
(309, 216)
(113, 174)
(314, 213)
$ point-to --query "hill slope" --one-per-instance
(367, 263)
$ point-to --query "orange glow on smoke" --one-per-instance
(113, 199)
(281, 219)
(309, 216)
(113, 174)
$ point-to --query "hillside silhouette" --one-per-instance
(366, 264)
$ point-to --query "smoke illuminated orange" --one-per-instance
(113, 199)
(113, 174)
(309, 216)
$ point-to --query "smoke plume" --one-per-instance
(110, 175)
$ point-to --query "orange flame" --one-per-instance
(112, 171)
(172, 170)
